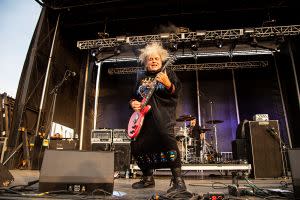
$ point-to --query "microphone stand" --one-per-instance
(38, 139)
(54, 91)
(214, 126)
(283, 149)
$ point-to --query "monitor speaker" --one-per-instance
(265, 149)
(77, 171)
(294, 158)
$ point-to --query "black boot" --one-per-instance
(177, 181)
(147, 181)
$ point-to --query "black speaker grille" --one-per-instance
(265, 151)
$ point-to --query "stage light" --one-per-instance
(219, 43)
(194, 46)
(94, 52)
(103, 35)
(117, 51)
(121, 39)
(248, 30)
(173, 46)
(200, 33)
(164, 35)
(254, 42)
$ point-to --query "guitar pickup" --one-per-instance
(131, 131)
(134, 126)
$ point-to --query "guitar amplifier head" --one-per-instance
(101, 136)
(120, 136)
(261, 117)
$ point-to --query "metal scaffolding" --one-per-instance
(193, 67)
(200, 36)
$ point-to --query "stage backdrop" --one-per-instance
(257, 93)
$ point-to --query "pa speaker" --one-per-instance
(265, 149)
(294, 158)
(77, 171)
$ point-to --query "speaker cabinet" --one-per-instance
(240, 149)
(122, 156)
(77, 171)
(101, 146)
(265, 148)
(294, 158)
(63, 144)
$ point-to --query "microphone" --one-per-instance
(70, 73)
(272, 131)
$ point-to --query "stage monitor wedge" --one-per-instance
(77, 171)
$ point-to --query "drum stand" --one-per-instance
(204, 151)
(215, 127)
(184, 154)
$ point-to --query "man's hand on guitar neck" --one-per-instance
(135, 105)
(164, 79)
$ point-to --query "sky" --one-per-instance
(18, 19)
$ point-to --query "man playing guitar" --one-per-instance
(156, 146)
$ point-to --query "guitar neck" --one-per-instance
(147, 98)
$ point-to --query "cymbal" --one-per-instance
(183, 118)
(214, 121)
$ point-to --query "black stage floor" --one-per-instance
(198, 186)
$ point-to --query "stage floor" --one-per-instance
(198, 185)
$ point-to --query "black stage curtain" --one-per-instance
(257, 93)
(217, 103)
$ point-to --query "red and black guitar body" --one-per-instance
(136, 122)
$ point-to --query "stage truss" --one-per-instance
(200, 36)
(193, 67)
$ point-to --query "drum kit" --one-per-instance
(189, 146)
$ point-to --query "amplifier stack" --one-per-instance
(113, 140)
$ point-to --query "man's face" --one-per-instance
(153, 62)
(193, 122)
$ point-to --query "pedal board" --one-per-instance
(214, 196)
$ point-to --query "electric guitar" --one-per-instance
(137, 118)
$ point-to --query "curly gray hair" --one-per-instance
(151, 49)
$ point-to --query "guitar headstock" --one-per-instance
(170, 61)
